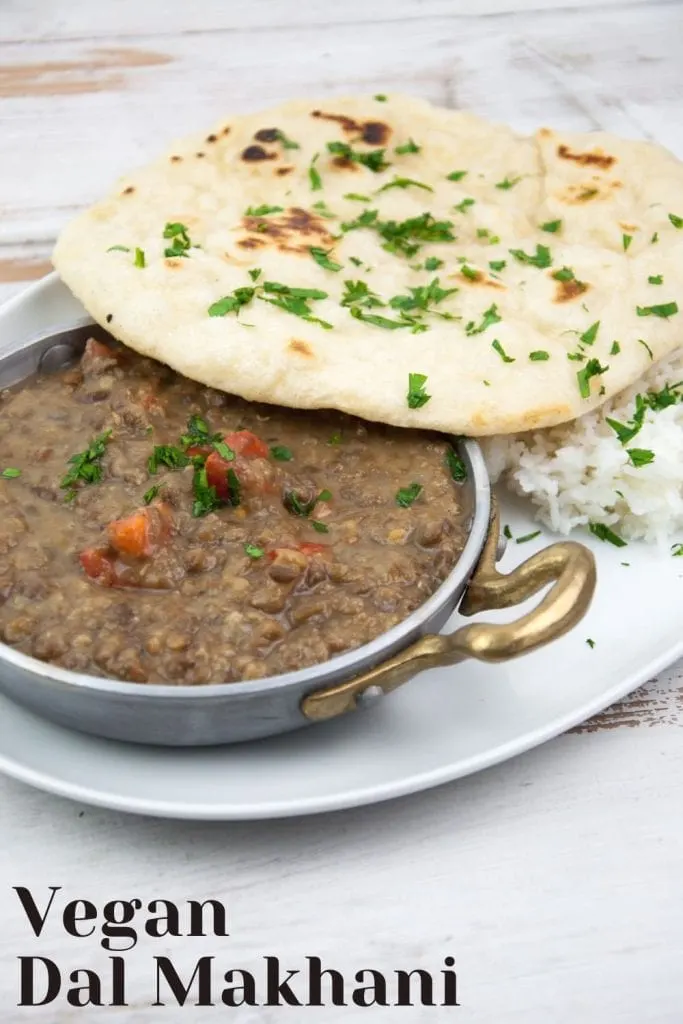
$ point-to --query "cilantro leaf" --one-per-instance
(231, 303)
(404, 183)
(540, 259)
(490, 317)
(592, 368)
(373, 160)
(603, 532)
(551, 226)
(664, 310)
(405, 496)
(417, 397)
(321, 257)
(496, 345)
(408, 147)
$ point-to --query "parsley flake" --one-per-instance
(118, 248)
(464, 206)
(86, 466)
(321, 257)
(456, 175)
(10, 473)
(640, 456)
(231, 303)
(527, 536)
(263, 210)
(676, 221)
(604, 533)
(589, 336)
(507, 183)
(149, 495)
(315, 181)
(417, 397)
(167, 455)
(655, 279)
(498, 265)
(287, 143)
(539, 356)
(551, 226)
(373, 160)
(626, 241)
(433, 263)
(408, 147)
(404, 183)
(490, 317)
(593, 368)
(139, 260)
(455, 466)
(253, 551)
(497, 347)
(281, 453)
(540, 259)
(405, 496)
(664, 310)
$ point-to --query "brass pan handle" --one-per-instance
(570, 566)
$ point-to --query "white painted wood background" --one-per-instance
(555, 880)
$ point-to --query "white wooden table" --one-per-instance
(555, 880)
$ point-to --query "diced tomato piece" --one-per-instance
(217, 474)
(307, 548)
(140, 533)
(243, 442)
(99, 566)
(199, 449)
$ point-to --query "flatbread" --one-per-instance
(495, 354)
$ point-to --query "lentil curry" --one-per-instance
(155, 530)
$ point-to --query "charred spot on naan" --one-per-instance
(254, 154)
(579, 194)
(267, 135)
(589, 158)
(172, 263)
(211, 138)
(291, 231)
(375, 133)
(477, 277)
(281, 171)
(128, 191)
(300, 348)
(568, 290)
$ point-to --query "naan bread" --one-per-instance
(494, 353)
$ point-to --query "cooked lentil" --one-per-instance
(226, 562)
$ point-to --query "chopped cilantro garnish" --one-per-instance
(255, 273)
(167, 455)
(540, 259)
(408, 147)
(417, 397)
(615, 349)
(551, 226)
(357, 197)
(626, 241)
(404, 237)
(603, 532)
(263, 210)
(498, 265)
(497, 347)
(456, 175)
(10, 473)
(456, 466)
(664, 310)
(433, 263)
(507, 532)
(373, 160)
(316, 182)
(231, 303)
(489, 318)
(139, 260)
(655, 238)
(224, 450)
(287, 143)
(180, 239)
(357, 293)
(336, 438)
(646, 347)
(464, 206)
(655, 279)
(86, 466)
(539, 356)
(589, 336)
(356, 262)
(294, 301)
(205, 498)
(676, 221)
(469, 272)
(198, 434)
(640, 456)
(321, 257)
(588, 193)
(404, 183)
(319, 527)
(422, 298)
(149, 495)
(507, 183)
(564, 274)
(281, 453)
(593, 368)
(118, 248)
(527, 536)
(405, 496)
(323, 210)
(379, 321)
(485, 233)
(380, 97)
(295, 504)
(253, 551)
(590, 642)
(677, 550)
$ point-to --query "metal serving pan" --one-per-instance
(235, 712)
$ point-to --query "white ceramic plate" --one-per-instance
(444, 724)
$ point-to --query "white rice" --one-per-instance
(573, 473)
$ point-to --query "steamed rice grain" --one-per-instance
(580, 473)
